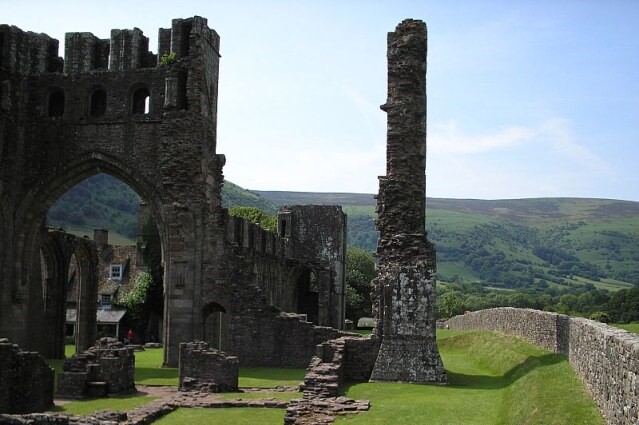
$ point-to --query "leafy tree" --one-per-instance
(152, 258)
(255, 215)
(359, 272)
(600, 316)
(450, 304)
(134, 301)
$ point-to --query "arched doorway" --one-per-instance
(29, 289)
(308, 294)
(215, 325)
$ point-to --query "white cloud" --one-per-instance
(540, 160)
(554, 137)
(447, 138)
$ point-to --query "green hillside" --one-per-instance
(103, 201)
(542, 243)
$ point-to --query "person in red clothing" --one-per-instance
(130, 335)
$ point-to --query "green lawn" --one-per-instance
(630, 327)
(270, 377)
(149, 370)
(279, 395)
(235, 416)
(494, 380)
(117, 403)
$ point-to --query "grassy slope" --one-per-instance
(630, 327)
(494, 379)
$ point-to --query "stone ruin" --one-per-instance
(345, 359)
(205, 369)
(404, 347)
(404, 289)
(104, 369)
(113, 106)
(223, 276)
(26, 380)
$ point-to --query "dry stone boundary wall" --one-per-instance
(605, 358)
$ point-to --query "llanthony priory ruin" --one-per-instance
(234, 294)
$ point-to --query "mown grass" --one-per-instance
(235, 416)
(278, 395)
(117, 403)
(149, 370)
(270, 377)
(630, 327)
(494, 380)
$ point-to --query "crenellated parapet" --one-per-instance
(28, 53)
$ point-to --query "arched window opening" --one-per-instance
(140, 102)
(98, 103)
(56, 104)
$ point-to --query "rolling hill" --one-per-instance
(541, 244)
(513, 243)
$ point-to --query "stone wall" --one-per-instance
(26, 380)
(336, 361)
(269, 338)
(106, 368)
(605, 358)
(205, 369)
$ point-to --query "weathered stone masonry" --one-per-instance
(110, 106)
(206, 369)
(404, 290)
(26, 380)
(605, 358)
(65, 120)
(106, 368)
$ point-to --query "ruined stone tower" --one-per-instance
(405, 285)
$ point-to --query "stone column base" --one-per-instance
(409, 359)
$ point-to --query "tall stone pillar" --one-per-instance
(404, 290)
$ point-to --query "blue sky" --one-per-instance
(525, 98)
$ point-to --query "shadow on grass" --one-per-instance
(487, 382)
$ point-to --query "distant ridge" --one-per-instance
(524, 209)
(317, 198)
(541, 244)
